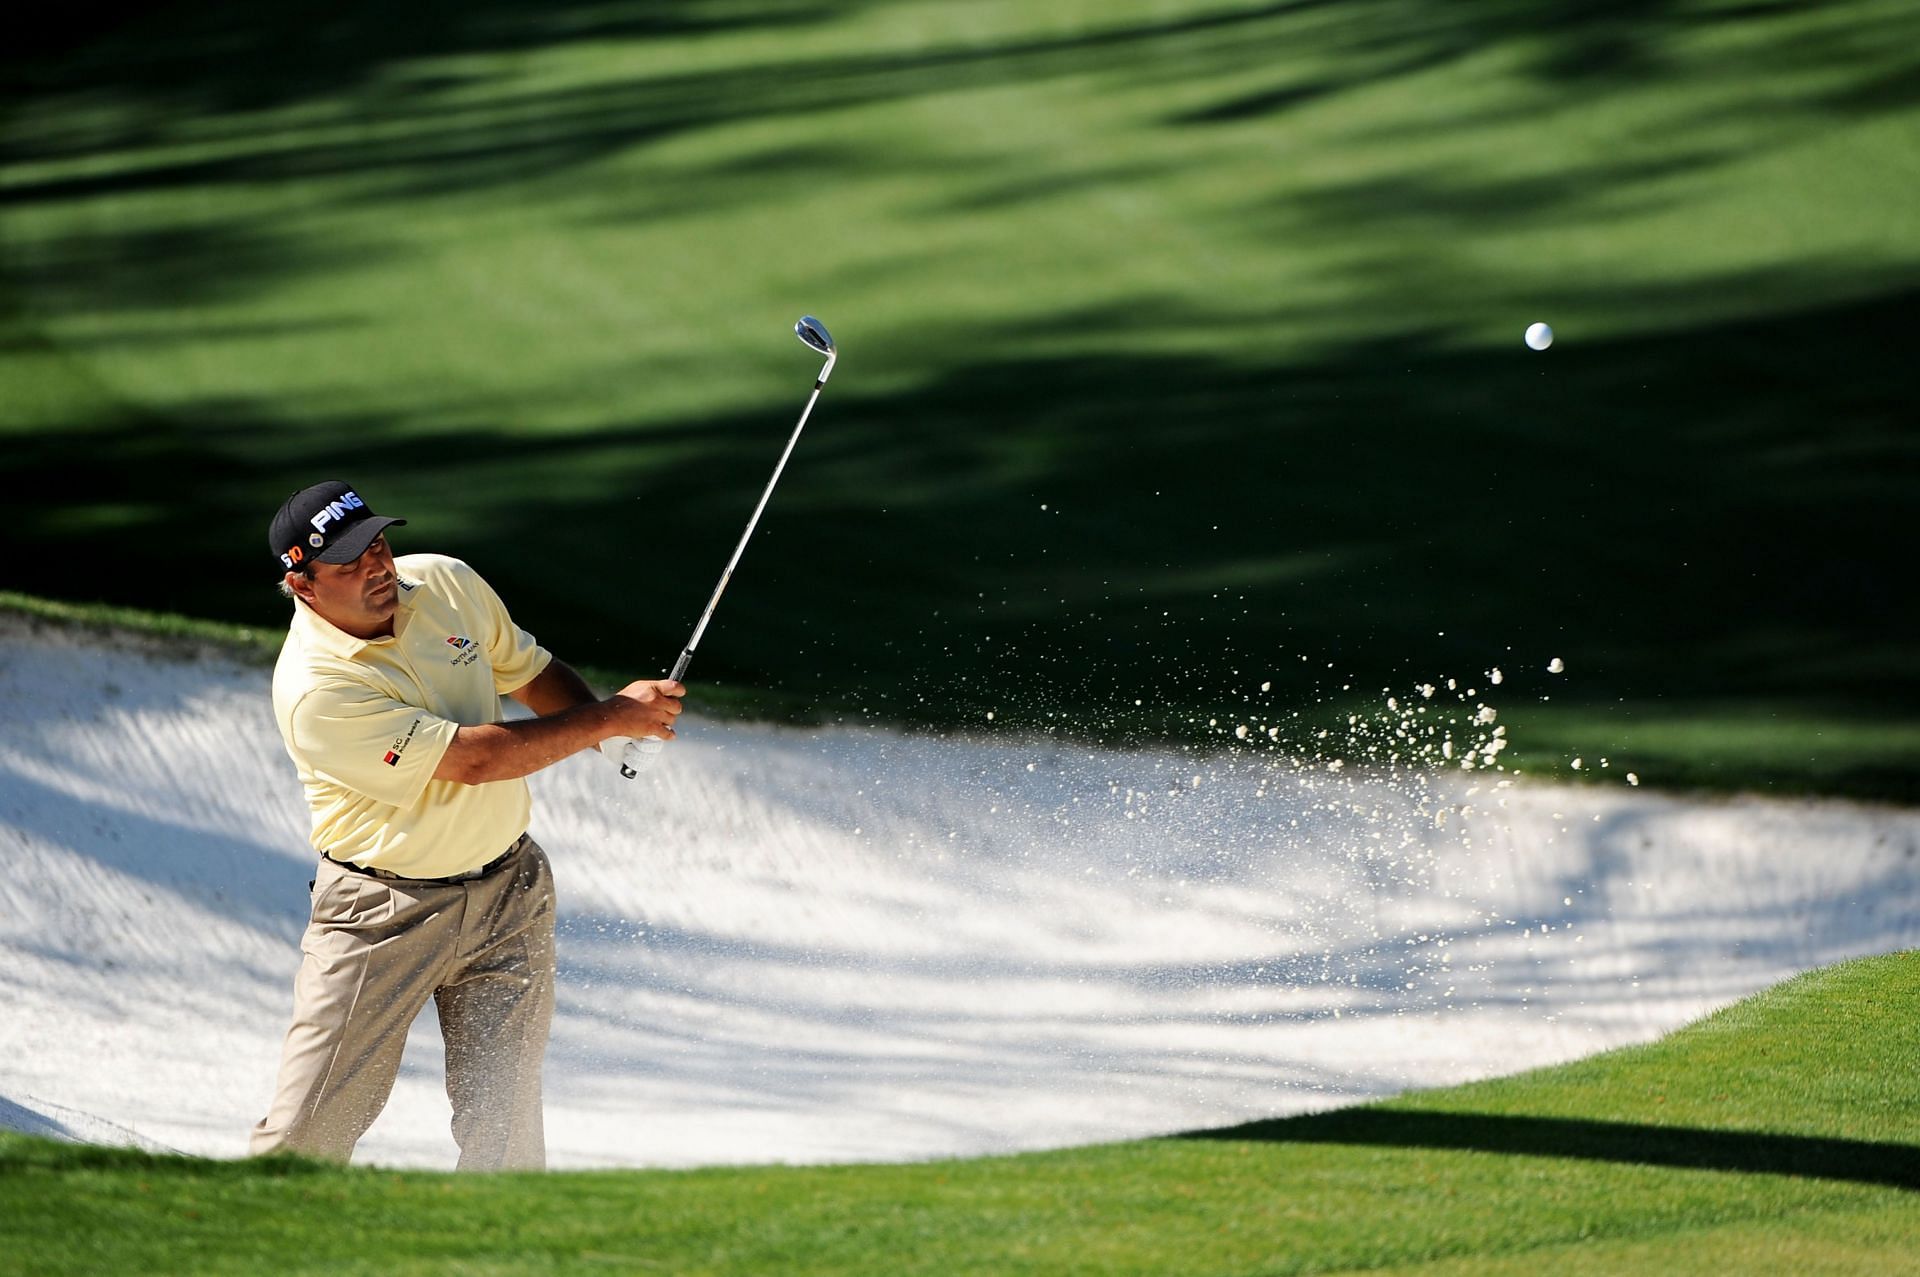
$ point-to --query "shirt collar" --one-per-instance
(324, 635)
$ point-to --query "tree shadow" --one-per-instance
(1629, 1143)
(415, 72)
(1057, 533)
(221, 56)
(169, 271)
(1676, 503)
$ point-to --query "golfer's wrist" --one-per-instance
(611, 719)
(600, 718)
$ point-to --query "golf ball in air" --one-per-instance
(1539, 336)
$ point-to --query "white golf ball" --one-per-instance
(1539, 336)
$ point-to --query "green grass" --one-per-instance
(107, 623)
(1180, 341)
(1782, 1134)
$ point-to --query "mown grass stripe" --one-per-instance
(1455, 1180)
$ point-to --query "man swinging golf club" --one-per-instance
(388, 696)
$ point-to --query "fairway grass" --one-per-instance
(1780, 1134)
(1181, 348)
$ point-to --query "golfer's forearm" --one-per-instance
(504, 751)
(555, 688)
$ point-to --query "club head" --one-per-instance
(814, 333)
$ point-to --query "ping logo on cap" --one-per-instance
(334, 511)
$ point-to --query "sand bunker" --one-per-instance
(825, 945)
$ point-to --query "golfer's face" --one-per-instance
(360, 596)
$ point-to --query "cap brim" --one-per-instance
(354, 541)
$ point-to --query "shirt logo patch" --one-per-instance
(392, 756)
(459, 644)
(465, 650)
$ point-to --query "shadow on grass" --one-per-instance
(421, 74)
(29, 1154)
(1703, 513)
(1075, 534)
(1687, 1148)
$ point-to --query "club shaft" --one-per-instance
(634, 756)
(686, 654)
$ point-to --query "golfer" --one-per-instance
(387, 693)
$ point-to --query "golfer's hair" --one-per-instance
(304, 569)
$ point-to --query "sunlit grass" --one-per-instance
(1782, 1130)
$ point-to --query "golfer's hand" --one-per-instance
(647, 708)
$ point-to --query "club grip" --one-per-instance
(637, 756)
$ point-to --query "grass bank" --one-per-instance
(1781, 1134)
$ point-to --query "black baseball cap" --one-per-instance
(327, 522)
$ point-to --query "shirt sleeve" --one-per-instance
(516, 658)
(355, 736)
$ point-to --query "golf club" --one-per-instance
(636, 755)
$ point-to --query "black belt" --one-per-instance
(471, 874)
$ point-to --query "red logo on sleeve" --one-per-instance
(392, 757)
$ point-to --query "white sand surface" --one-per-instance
(789, 945)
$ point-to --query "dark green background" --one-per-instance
(1180, 343)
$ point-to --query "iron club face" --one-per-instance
(814, 333)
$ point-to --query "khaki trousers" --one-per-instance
(374, 952)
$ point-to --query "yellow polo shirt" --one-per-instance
(367, 721)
